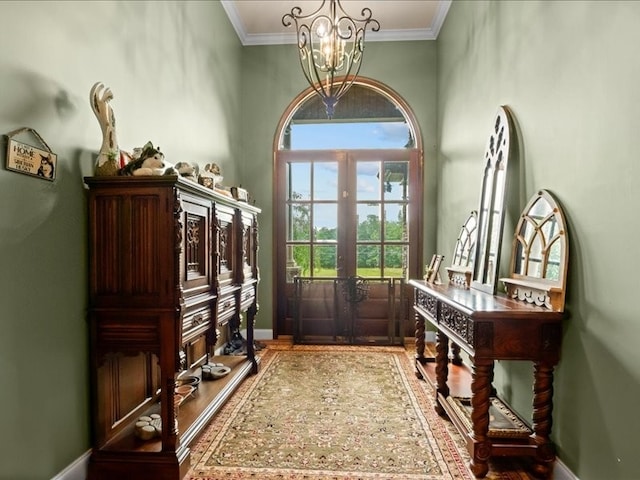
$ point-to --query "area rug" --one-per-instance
(339, 413)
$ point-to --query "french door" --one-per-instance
(347, 214)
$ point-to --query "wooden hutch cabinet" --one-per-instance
(171, 263)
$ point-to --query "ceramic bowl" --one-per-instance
(184, 390)
(190, 380)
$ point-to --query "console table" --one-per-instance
(525, 323)
(488, 328)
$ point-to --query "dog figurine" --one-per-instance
(150, 162)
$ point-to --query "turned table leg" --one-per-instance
(419, 342)
(442, 369)
(482, 373)
(542, 407)
(456, 359)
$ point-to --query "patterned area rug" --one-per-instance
(339, 413)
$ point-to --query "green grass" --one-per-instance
(363, 272)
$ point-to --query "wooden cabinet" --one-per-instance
(171, 263)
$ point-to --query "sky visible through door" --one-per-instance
(346, 135)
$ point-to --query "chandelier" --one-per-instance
(330, 43)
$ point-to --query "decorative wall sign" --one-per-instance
(37, 161)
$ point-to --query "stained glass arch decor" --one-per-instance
(540, 254)
(492, 203)
(461, 268)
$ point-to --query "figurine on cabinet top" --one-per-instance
(211, 175)
(150, 162)
(188, 170)
(109, 160)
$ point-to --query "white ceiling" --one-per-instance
(259, 22)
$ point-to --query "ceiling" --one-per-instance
(259, 22)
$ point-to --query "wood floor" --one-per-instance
(459, 379)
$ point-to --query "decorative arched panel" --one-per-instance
(540, 254)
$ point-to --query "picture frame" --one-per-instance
(432, 274)
(24, 158)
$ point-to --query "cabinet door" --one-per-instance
(247, 250)
(196, 265)
(226, 239)
(132, 247)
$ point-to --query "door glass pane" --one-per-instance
(368, 181)
(368, 261)
(298, 222)
(317, 136)
(299, 181)
(395, 222)
(396, 185)
(368, 222)
(325, 181)
(325, 221)
(395, 260)
(301, 260)
(325, 261)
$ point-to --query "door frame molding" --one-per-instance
(285, 119)
(378, 87)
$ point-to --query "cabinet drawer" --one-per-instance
(226, 308)
(195, 322)
(247, 297)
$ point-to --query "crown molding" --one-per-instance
(381, 36)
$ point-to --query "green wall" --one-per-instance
(174, 69)
(272, 78)
(570, 72)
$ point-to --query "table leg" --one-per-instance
(456, 359)
(482, 373)
(542, 407)
(442, 368)
(419, 342)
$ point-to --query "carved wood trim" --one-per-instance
(428, 303)
(457, 322)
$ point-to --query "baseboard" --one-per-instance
(562, 472)
(263, 334)
(259, 333)
(77, 470)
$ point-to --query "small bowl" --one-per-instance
(184, 390)
(191, 380)
(219, 372)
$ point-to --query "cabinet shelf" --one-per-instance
(194, 413)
